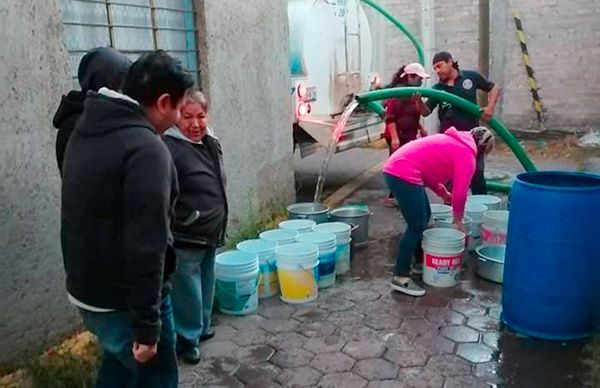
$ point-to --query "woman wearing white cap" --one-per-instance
(403, 115)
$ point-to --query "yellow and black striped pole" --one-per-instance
(533, 85)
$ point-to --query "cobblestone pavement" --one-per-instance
(361, 334)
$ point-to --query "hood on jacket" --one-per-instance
(70, 105)
(102, 67)
(464, 137)
(99, 67)
(107, 111)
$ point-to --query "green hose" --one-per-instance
(400, 26)
(496, 125)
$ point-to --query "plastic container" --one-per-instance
(236, 282)
(265, 250)
(494, 227)
(300, 226)
(443, 249)
(552, 268)
(475, 211)
(297, 272)
(343, 237)
(327, 245)
(449, 223)
(440, 212)
(279, 236)
(491, 201)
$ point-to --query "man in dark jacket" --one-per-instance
(99, 67)
(462, 83)
(119, 188)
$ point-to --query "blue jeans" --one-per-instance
(193, 292)
(119, 368)
(414, 205)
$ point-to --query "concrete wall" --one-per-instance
(562, 39)
(33, 74)
(244, 69)
(456, 31)
(563, 45)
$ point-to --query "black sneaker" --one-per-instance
(189, 352)
(407, 286)
(208, 335)
(191, 355)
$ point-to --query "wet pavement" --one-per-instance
(359, 333)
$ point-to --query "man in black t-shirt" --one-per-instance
(462, 83)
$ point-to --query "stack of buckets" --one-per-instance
(297, 271)
(444, 247)
(295, 261)
(265, 250)
(343, 237)
(327, 248)
(443, 250)
(236, 282)
(300, 226)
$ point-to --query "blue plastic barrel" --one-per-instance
(552, 268)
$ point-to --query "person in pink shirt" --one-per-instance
(431, 162)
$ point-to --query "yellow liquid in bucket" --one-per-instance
(298, 284)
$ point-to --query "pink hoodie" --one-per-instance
(435, 160)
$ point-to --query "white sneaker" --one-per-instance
(407, 286)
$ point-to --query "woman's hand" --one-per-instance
(458, 224)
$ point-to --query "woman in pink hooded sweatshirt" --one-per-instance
(431, 162)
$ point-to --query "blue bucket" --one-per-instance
(265, 250)
(300, 226)
(297, 271)
(327, 245)
(236, 282)
(343, 233)
(552, 266)
(280, 236)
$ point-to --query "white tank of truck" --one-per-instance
(330, 62)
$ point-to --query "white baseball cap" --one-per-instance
(416, 69)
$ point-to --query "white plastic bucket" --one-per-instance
(475, 211)
(343, 237)
(297, 272)
(491, 201)
(327, 244)
(280, 236)
(494, 227)
(442, 256)
(300, 226)
(439, 211)
(236, 282)
(265, 250)
(449, 223)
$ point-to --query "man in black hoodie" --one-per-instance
(119, 187)
(99, 67)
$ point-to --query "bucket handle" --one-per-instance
(301, 216)
(353, 227)
(307, 269)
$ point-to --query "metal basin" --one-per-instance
(354, 216)
(308, 211)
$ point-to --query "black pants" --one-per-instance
(478, 184)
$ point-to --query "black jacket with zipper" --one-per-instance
(118, 192)
(201, 188)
